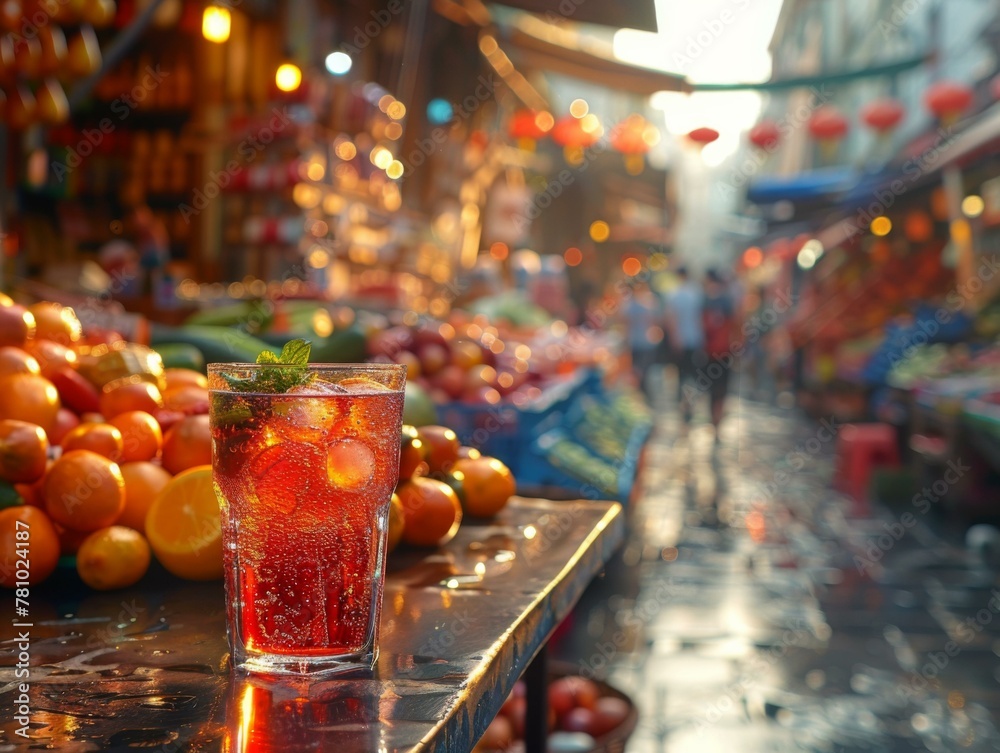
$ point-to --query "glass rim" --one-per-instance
(323, 366)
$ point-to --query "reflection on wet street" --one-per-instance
(754, 609)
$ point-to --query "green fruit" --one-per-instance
(418, 408)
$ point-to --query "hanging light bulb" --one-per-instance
(216, 23)
(288, 77)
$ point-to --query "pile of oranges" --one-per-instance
(440, 481)
(131, 477)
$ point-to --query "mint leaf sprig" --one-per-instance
(284, 371)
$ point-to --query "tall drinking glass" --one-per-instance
(304, 460)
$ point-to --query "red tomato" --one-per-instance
(76, 392)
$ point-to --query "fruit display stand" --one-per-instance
(147, 666)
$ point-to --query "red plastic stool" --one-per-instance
(860, 449)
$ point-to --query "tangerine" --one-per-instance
(24, 450)
(184, 526)
(17, 325)
(113, 557)
(29, 546)
(31, 398)
(442, 446)
(141, 435)
(17, 361)
(431, 511)
(173, 378)
(487, 483)
(54, 321)
(143, 483)
(187, 443)
(130, 393)
(104, 439)
(84, 491)
(52, 357)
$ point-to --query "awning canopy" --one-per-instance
(558, 53)
(633, 14)
(806, 186)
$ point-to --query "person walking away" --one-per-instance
(718, 318)
(643, 313)
(687, 334)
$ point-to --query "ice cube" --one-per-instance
(350, 464)
(301, 413)
(361, 384)
(281, 474)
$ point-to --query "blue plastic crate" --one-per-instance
(492, 429)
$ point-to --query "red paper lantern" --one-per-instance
(765, 135)
(882, 115)
(703, 136)
(576, 134)
(634, 137)
(948, 100)
(529, 124)
(828, 124)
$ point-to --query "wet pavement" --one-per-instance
(755, 609)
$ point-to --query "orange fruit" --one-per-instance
(51, 356)
(187, 443)
(22, 525)
(17, 325)
(140, 433)
(24, 450)
(412, 454)
(173, 378)
(104, 439)
(130, 393)
(442, 446)
(29, 397)
(143, 483)
(65, 421)
(29, 495)
(487, 483)
(84, 491)
(189, 399)
(397, 522)
(431, 511)
(91, 418)
(56, 322)
(184, 526)
(112, 557)
(17, 361)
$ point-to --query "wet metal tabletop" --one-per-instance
(147, 667)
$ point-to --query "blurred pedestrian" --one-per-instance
(153, 244)
(643, 313)
(718, 321)
(687, 335)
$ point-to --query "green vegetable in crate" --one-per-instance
(217, 344)
(250, 316)
(181, 356)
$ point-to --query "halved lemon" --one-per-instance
(184, 526)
